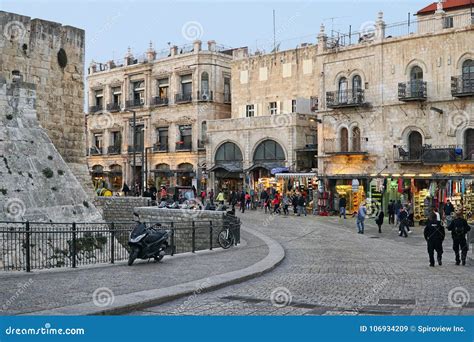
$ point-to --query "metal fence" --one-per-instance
(36, 245)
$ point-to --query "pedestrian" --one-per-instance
(220, 197)
(379, 220)
(448, 209)
(459, 228)
(434, 236)
(361, 214)
(403, 225)
(242, 201)
(211, 196)
(398, 208)
(276, 205)
(342, 207)
(286, 204)
(163, 194)
(294, 202)
(263, 199)
(125, 189)
(301, 204)
(248, 200)
(436, 212)
(391, 212)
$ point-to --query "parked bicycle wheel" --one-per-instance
(225, 239)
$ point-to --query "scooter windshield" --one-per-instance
(139, 229)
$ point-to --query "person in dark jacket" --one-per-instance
(434, 236)
(301, 205)
(379, 220)
(403, 218)
(242, 201)
(391, 212)
(342, 207)
(398, 207)
(459, 228)
(448, 209)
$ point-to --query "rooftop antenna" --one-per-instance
(332, 23)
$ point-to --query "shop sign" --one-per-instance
(355, 185)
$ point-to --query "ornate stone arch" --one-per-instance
(464, 57)
(413, 63)
(225, 142)
(357, 72)
(406, 133)
(257, 144)
(338, 76)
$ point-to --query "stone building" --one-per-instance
(173, 93)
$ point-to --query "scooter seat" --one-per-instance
(155, 236)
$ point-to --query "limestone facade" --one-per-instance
(174, 93)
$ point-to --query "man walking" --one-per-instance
(459, 228)
(403, 218)
(434, 236)
(391, 212)
(342, 207)
(361, 214)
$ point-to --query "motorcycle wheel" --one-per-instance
(223, 242)
(158, 258)
(133, 255)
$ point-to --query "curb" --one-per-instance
(125, 303)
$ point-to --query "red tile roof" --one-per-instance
(448, 5)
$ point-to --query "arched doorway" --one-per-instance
(344, 140)
(228, 167)
(185, 174)
(356, 139)
(115, 177)
(98, 177)
(416, 82)
(415, 145)
(268, 155)
(469, 144)
(162, 175)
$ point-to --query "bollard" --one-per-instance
(194, 237)
(73, 252)
(112, 243)
(28, 250)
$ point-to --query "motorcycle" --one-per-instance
(147, 242)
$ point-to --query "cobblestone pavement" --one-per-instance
(329, 269)
(41, 290)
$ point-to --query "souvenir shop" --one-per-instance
(331, 190)
(307, 183)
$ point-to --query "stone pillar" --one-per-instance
(128, 57)
(197, 46)
(151, 53)
(211, 45)
(172, 131)
(322, 40)
(147, 88)
(440, 16)
(379, 28)
(92, 67)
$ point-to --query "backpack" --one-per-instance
(459, 228)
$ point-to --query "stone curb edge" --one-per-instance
(125, 303)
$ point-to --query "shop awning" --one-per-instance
(229, 167)
(296, 175)
(265, 165)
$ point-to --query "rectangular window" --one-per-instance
(448, 22)
(116, 139)
(250, 111)
(163, 87)
(314, 104)
(162, 138)
(138, 93)
(186, 85)
(185, 142)
(227, 94)
(273, 108)
(97, 148)
(116, 95)
(99, 96)
(293, 106)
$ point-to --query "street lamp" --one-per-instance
(134, 145)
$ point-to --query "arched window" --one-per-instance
(469, 144)
(356, 89)
(344, 140)
(416, 82)
(415, 145)
(228, 152)
(203, 133)
(269, 150)
(342, 90)
(468, 75)
(205, 83)
(356, 139)
(416, 74)
(115, 177)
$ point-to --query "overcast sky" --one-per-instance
(112, 26)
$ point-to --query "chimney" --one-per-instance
(379, 27)
(322, 40)
(151, 53)
(173, 50)
(197, 46)
(211, 45)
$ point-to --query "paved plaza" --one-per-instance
(329, 269)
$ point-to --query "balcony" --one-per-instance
(138, 149)
(159, 101)
(95, 109)
(339, 147)
(183, 98)
(227, 97)
(160, 147)
(348, 98)
(113, 107)
(412, 91)
(95, 151)
(136, 103)
(184, 146)
(429, 154)
(207, 96)
(114, 150)
(462, 86)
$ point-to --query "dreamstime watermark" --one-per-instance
(192, 299)
(281, 297)
(14, 31)
(192, 30)
(22, 287)
(102, 121)
(280, 120)
(103, 297)
(457, 119)
(14, 208)
(458, 297)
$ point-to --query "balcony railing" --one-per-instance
(429, 154)
(227, 97)
(113, 107)
(95, 109)
(134, 103)
(160, 147)
(95, 151)
(182, 146)
(183, 98)
(207, 96)
(138, 149)
(113, 150)
(412, 91)
(159, 101)
(462, 86)
(345, 98)
(341, 146)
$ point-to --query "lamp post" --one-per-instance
(134, 144)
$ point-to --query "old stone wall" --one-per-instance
(120, 209)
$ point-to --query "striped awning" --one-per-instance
(296, 175)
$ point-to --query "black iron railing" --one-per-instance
(183, 98)
(412, 91)
(113, 107)
(160, 148)
(137, 149)
(345, 98)
(159, 101)
(184, 146)
(95, 151)
(429, 154)
(227, 97)
(205, 96)
(462, 86)
(134, 103)
(95, 109)
(39, 245)
(113, 150)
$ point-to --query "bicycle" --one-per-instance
(226, 238)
